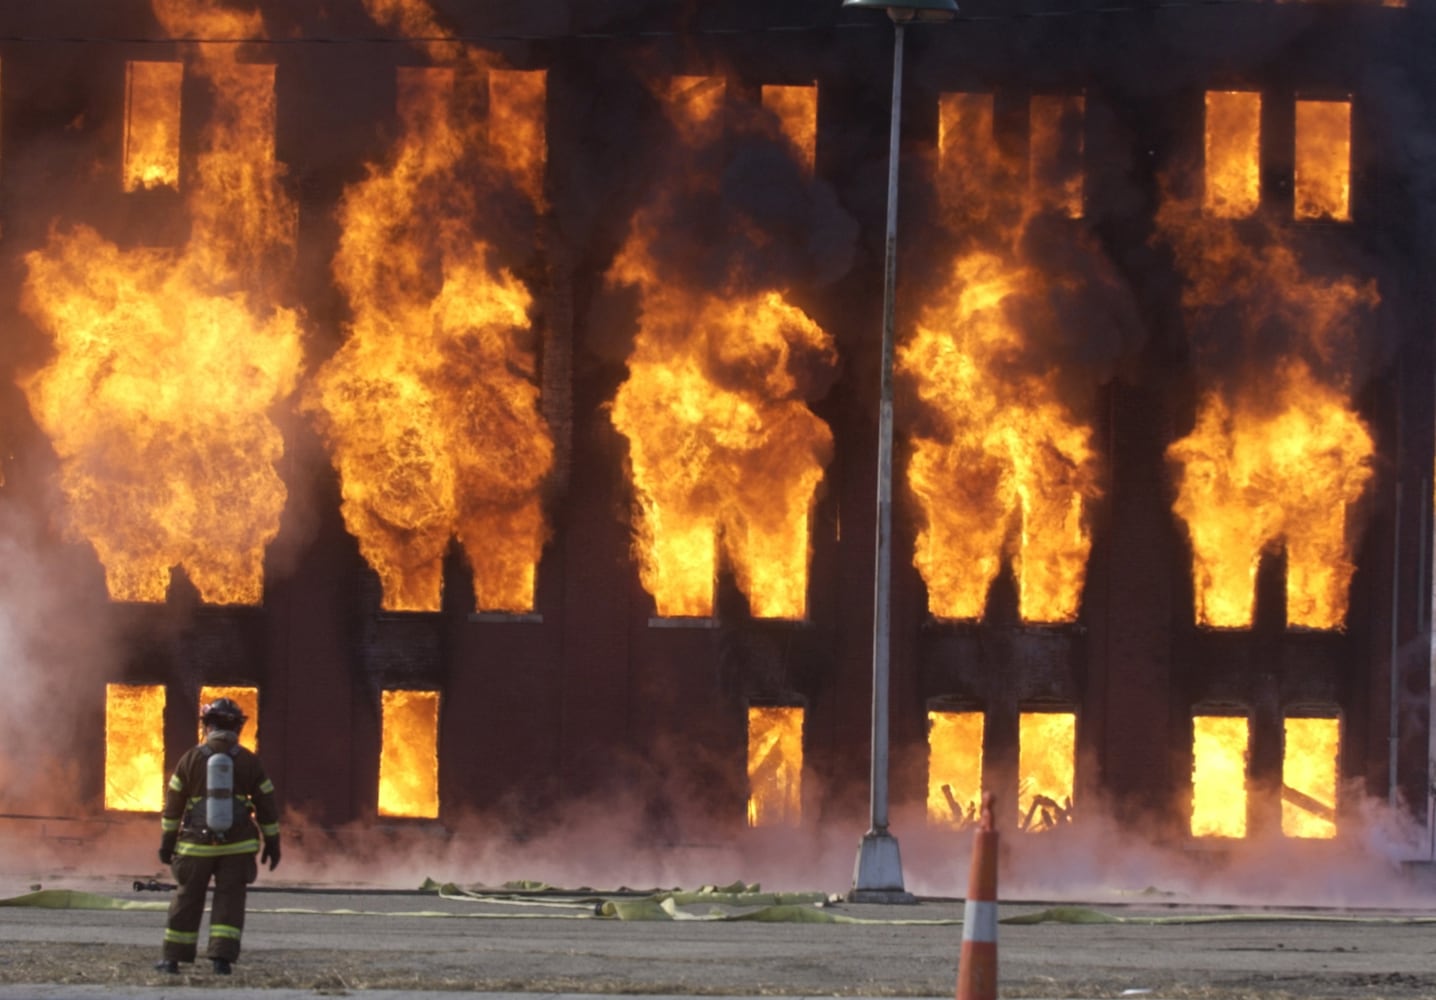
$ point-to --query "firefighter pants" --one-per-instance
(232, 874)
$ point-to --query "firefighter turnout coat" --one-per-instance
(255, 808)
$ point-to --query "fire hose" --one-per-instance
(706, 904)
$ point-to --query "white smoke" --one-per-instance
(55, 655)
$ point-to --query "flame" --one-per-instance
(517, 122)
(976, 181)
(1278, 455)
(998, 451)
(775, 766)
(135, 747)
(1219, 776)
(1055, 152)
(1226, 539)
(1233, 154)
(706, 457)
(152, 118)
(1046, 767)
(695, 106)
(1256, 473)
(168, 359)
(1001, 458)
(1309, 777)
(430, 409)
(796, 109)
(247, 698)
(207, 19)
(954, 767)
(409, 754)
(1323, 160)
(723, 449)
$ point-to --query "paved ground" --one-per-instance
(301, 942)
(1312, 925)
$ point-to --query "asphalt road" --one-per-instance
(339, 942)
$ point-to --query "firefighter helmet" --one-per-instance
(223, 713)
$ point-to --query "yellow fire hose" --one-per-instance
(710, 903)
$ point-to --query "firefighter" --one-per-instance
(217, 793)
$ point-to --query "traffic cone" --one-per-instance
(977, 965)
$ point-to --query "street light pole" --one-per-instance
(877, 875)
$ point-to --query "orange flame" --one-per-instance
(722, 447)
(1046, 768)
(796, 109)
(695, 107)
(409, 754)
(775, 766)
(516, 132)
(998, 452)
(1055, 152)
(1000, 455)
(168, 359)
(135, 747)
(1282, 458)
(1219, 776)
(1233, 154)
(430, 409)
(1323, 160)
(1254, 474)
(954, 767)
(1309, 777)
(976, 180)
(247, 698)
(152, 118)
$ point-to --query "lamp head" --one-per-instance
(910, 10)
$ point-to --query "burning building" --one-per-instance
(488, 398)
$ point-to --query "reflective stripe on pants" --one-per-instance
(232, 874)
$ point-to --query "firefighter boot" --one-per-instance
(221, 966)
(168, 965)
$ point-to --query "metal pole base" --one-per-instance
(877, 876)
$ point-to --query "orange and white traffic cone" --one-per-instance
(977, 965)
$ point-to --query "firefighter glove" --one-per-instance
(271, 851)
(167, 848)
